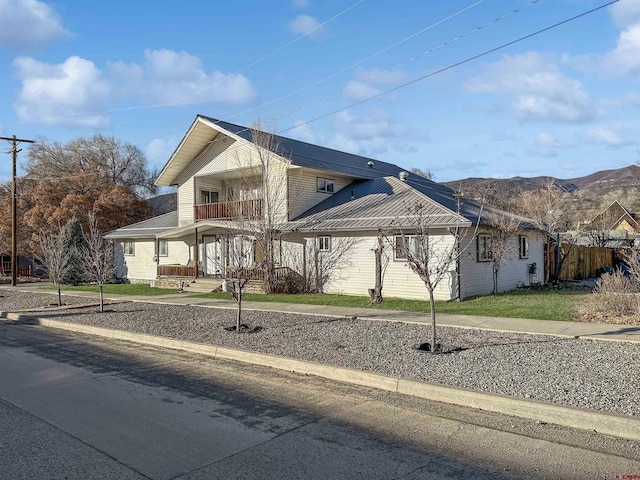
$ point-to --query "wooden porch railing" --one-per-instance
(21, 271)
(229, 210)
(177, 270)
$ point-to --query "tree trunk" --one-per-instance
(239, 315)
(432, 305)
(495, 280)
(375, 293)
(59, 296)
(101, 299)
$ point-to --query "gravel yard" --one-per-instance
(583, 373)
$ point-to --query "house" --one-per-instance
(229, 178)
(614, 227)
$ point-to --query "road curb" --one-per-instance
(605, 423)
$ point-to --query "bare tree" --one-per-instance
(428, 174)
(55, 259)
(241, 268)
(97, 256)
(323, 261)
(544, 208)
(431, 254)
(504, 228)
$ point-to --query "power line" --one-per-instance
(255, 62)
(415, 57)
(454, 65)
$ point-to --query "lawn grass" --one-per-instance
(543, 304)
(136, 289)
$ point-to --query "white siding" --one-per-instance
(477, 277)
(212, 160)
(303, 192)
(186, 196)
(356, 275)
(208, 184)
(139, 266)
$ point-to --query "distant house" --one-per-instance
(614, 227)
(328, 197)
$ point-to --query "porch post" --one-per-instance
(196, 251)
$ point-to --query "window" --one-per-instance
(325, 185)
(324, 243)
(163, 248)
(128, 247)
(209, 197)
(402, 244)
(524, 247)
(484, 248)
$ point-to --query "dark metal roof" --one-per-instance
(147, 228)
(314, 156)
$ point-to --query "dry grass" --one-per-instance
(615, 299)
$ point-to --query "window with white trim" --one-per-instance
(209, 196)
(163, 248)
(324, 243)
(129, 247)
(524, 247)
(484, 247)
(325, 185)
(402, 244)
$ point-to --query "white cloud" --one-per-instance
(29, 24)
(305, 25)
(159, 150)
(68, 93)
(374, 133)
(625, 58)
(625, 12)
(541, 91)
(369, 83)
(546, 144)
(171, 77)
(609, 136)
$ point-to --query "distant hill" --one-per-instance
(590, 194)
(161, 204)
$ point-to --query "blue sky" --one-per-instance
(564, 103)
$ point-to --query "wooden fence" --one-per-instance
(581, 261)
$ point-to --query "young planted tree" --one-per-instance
(241, 269)
(431, 253)
(55, 258)
(97, 256)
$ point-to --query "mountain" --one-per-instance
(589, 194)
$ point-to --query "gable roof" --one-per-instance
(384, 202)
(147, 228)
(612, 216)
(205, 129)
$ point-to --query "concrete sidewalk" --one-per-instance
(599, 331)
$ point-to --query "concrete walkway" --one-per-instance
(600, 331)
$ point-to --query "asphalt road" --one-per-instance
(80, 407)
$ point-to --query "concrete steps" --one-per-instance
(202, 285)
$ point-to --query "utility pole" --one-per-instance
(14, 220)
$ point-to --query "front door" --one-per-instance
(212, 258)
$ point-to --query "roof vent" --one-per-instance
(403, 176)
(370, 164)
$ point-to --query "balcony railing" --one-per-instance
(229, 210)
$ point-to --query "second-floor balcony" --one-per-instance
(229, 210)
